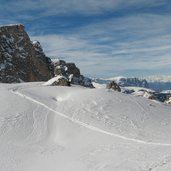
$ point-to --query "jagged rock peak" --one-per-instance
(21, 59)
(72, 73)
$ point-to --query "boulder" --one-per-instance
(114, 86)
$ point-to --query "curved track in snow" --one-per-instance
(93, 128)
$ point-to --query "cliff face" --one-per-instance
(20, 59)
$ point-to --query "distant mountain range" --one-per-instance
(154, 82)
(159, 82)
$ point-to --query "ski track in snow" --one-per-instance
(14, 91)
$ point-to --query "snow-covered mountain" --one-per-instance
(47, 128)
(159, 82)
(124, 81)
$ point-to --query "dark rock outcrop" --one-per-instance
(70, 71)
(162, 97)
(113, 86)
(128, 91)
(20, 59)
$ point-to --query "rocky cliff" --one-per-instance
(72, 73)
(20, 59)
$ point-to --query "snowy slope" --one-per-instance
(44, 128)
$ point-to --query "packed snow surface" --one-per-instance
(46, 128)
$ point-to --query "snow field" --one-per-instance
(79, 129)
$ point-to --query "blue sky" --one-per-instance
(104, 38)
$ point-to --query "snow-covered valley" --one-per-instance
(47, 128)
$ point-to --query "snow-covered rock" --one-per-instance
(168, 101)
(144, 93)
(153, 95)
(58, 81)
(72, 73)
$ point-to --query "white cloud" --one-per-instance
(132, 42)
(67, 7)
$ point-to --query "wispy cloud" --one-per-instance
(67, 7)
(118, 44)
